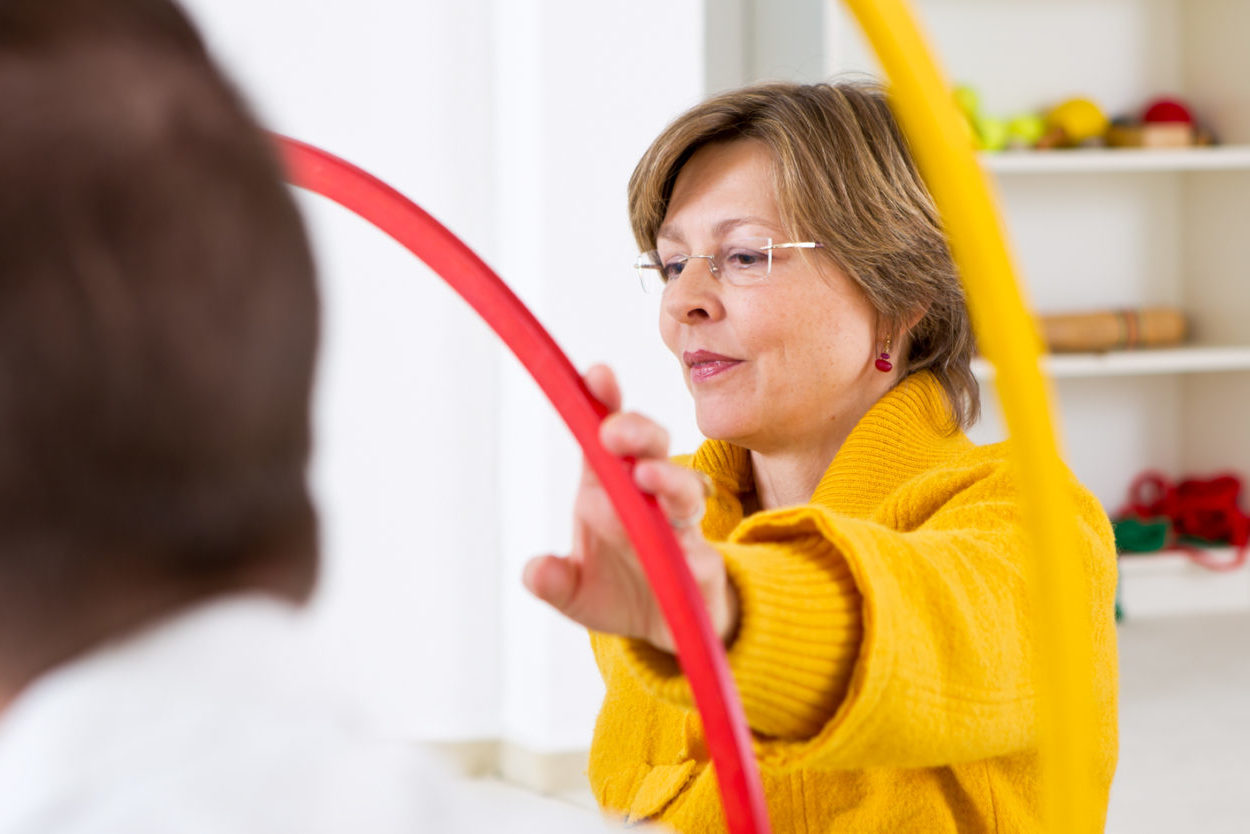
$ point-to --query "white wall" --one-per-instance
(439, 468)
(582, 92)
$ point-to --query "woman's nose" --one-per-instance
(695, 295)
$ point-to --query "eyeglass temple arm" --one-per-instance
(808, 244)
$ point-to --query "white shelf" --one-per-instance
(1114, 160)
(1169, 583)
(1184, 360)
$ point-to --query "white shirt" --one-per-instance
(219, 720)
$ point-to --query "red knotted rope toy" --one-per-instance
(1202, 509)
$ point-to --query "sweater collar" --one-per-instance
(905, 433)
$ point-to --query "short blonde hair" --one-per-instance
(844, 177)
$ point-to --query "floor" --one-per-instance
(1184, 732)
(1184, 726)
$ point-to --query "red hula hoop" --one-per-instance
(699, 650)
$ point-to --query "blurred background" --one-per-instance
(440, 469)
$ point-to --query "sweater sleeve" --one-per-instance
(901, 640)
(798, 635)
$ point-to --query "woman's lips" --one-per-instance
(705, 365)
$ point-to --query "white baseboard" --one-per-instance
(545, 772)
(470, 759)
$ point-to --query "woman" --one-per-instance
(862, 560)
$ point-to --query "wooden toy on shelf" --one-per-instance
(1104, 330)
(1164, 123)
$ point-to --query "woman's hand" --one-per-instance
(601, 584)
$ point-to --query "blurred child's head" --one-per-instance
(158, 326)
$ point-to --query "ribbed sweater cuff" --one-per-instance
(798, 637)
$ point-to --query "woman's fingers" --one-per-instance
(602, 384)
(680, 491)
(552, 579)
(633, 435)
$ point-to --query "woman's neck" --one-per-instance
(781, 481)
(788, 474)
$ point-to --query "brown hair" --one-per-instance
(843, 177)
(158, 322)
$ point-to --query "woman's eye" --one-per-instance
(672, 270)
(747, 259)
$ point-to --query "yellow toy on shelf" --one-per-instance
(1077, 121)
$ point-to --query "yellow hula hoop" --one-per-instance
(1006, 333)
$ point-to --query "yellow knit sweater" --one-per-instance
(882, 653)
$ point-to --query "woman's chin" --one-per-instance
(721, 427)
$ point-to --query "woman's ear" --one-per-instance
(897, 330)
(912, 320)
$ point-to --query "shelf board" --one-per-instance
(1172, 562)
(1112, 160)
(1183, 360)
(1169, 583)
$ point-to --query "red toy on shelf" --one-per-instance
(1198, 512)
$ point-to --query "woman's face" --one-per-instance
(781, 364)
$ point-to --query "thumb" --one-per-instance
(552, 579)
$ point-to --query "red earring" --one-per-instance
(883, 363)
